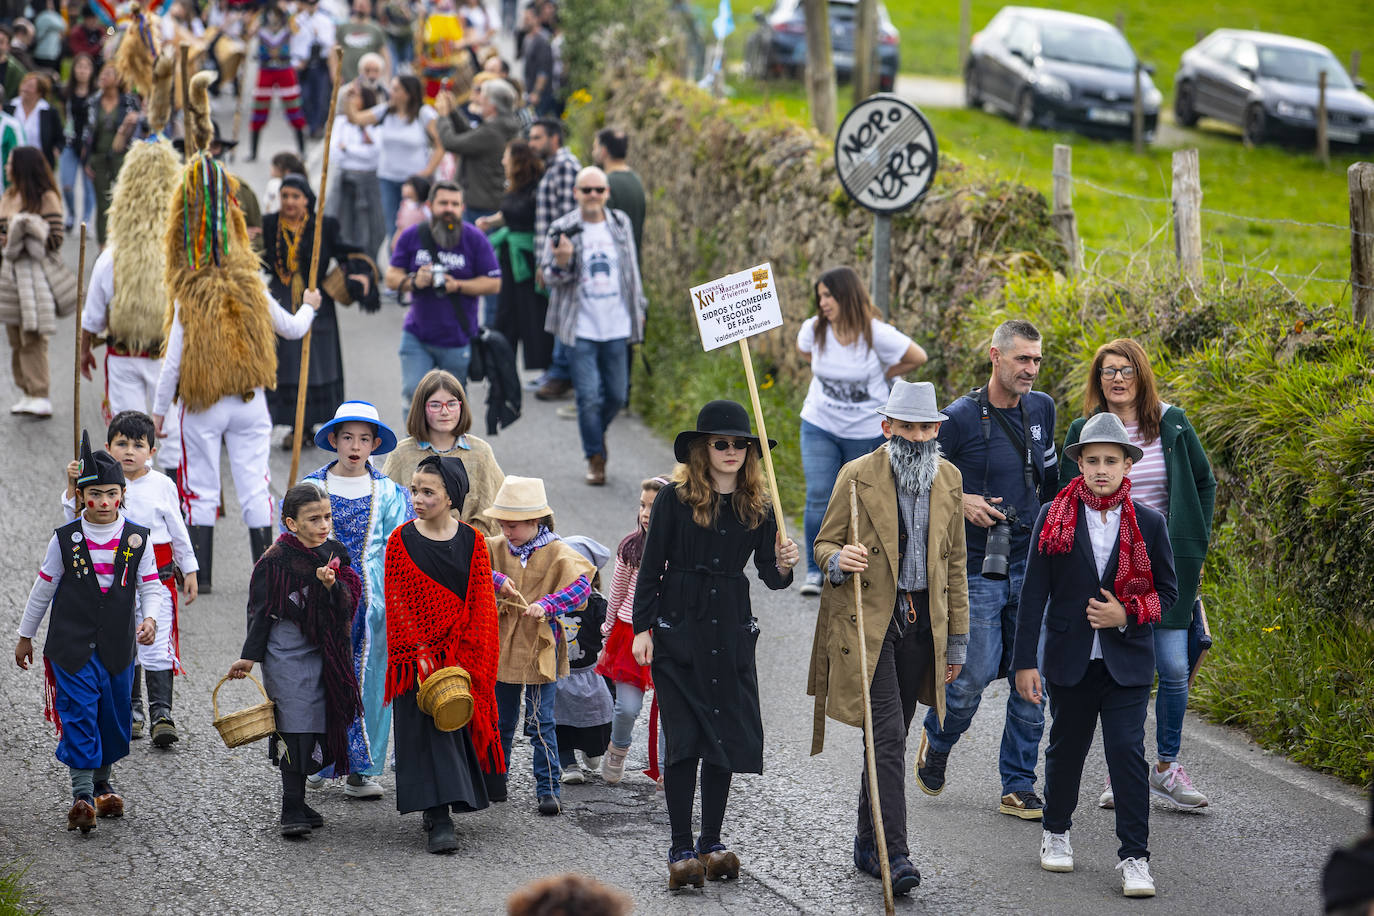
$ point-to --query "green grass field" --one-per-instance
(1269, 182)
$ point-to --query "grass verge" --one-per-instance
(12, 891)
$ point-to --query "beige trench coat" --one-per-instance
(834, 679)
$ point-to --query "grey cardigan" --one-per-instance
(561, 319)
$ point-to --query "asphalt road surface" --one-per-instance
(200, 833)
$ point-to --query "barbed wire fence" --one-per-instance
(1185, 210)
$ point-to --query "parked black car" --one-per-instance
(778, 46)
(1267, 86)
(1052, 69)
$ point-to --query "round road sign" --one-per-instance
(885, 153)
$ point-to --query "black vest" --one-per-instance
(85, 620)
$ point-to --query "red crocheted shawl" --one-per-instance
(429, 627)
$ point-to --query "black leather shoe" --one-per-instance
(439, 824)
(549, 805)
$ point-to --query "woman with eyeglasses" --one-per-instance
(1175, 478)
(438, 423)
(854, 356)
(694, 625)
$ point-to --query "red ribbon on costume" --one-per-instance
(653, 771)
(1135, 582)
(50, 697)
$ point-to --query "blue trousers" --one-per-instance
(418, 357)
(601, 381)
(548, 772)
(823, 454)
(97, 720)
(991, 606)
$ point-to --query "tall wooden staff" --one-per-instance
(879, 833)
(763, 438)
(315, 266)
(76, 373)
(188, 137)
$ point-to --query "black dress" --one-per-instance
(325, 390)
(434, 767)
(693, 593)
(520, 306)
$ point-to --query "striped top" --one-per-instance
(621, 603)
(1150, 475)
(56, 230)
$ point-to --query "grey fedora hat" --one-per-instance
(913, 402)
(1103, 427)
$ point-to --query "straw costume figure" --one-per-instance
(130, 313)
(221, 350)
(138, 49)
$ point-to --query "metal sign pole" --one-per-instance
(882, 262)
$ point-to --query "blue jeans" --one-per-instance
(391, 204)
(1025, 722)
(629, 700)
(561, 366)
(548, 772)
(600, 375)
(402, 50)
(71, 171)
(1171, 661)
(823, 454)
(418, 357)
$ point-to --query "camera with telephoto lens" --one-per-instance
(436, 276)
(997, 554)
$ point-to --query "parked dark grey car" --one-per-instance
(1053, 69)
(778, 46)
(1267, 86)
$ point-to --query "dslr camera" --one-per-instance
(997, 555)
(436, 274)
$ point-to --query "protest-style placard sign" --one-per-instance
(733, 309)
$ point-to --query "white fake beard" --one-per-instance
(913, 463)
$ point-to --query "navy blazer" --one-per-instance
(1058, 588)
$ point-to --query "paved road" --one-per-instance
(200, 834)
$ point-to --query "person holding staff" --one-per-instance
(909, 549)
(694, 625)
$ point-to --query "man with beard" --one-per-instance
(445, 264)
(909, 551)
(1001, 437)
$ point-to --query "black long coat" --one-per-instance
(693, 593)
(326, 357)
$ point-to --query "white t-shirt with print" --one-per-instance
(847, 382)
(601, 314)
(404, 144)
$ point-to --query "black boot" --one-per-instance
(439, 824)
(203, 543)
(253, 139)
(259, 539)
(136, 702)
(294, 820)
(300, 141)
(164, 730)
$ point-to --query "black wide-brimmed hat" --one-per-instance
(718, 418)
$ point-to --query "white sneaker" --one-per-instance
(1174, 786)
(812, 586)
(1107, 799)
(40, 407)
(314, 781)
(1055, 852)
(588, 762)
(1135, 878)
(357, 786)
(23, 405)
(573, 776)
(567, 412)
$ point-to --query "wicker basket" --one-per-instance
(447, 696)
(246, 725)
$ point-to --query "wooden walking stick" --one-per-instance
(315, 266)
(879, 834)
(763, 438)
(76, 373)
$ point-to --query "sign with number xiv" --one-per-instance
(885, 153)
(736, 306)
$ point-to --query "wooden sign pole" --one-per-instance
(763, 439)
(76, 371)
(870, 755)
(304, 380)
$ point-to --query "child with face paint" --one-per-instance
(93, 569)
(301, 600)
(367, 506)
(441, 612)
(151, 500)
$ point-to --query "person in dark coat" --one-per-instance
(288, 236)
(521, 306)
(693, 623)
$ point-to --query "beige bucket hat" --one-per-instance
(519, 499)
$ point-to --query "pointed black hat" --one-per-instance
(97, 468)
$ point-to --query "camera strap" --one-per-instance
(1030, 464)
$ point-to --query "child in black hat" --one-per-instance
(94, 568)
(693, 623)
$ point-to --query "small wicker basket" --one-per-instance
(446, 695)
(246, 725)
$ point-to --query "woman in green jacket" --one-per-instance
(1175, 478)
